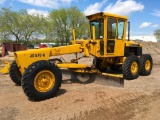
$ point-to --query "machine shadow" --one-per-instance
(59, 93)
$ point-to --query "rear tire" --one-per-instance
(15, 74)
(41, 80)
(146, 64)
(131, 67)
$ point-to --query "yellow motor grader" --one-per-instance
(41, 77)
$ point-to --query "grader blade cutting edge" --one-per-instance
(86, 78)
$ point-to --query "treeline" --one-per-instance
(157, 34)
(21, 27)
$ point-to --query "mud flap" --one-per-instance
(86, 78)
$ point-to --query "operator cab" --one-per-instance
(110, 31)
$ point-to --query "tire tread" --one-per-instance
(27, 80)
(13, 73)
(126, 67)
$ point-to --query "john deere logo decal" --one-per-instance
(37, 55)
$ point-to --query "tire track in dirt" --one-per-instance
(122, 107)
(8, 113)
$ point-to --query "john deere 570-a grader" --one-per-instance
(41, 77)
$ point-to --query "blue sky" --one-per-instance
(144, 15)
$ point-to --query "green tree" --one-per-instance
(62, 21)
(157, 34)
(79, 22)
(19, 25)
(32, 26)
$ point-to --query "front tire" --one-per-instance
(41, 80)
(131, 67)
(15, 74)
(146, 64)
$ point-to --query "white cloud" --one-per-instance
(145, 24)
(2, 1)
(94, 8)
(124, 7)
(39, 12)
(120, 7)
(66, 1)
(47, 3)
(156, 13)
(154, 26)
(42, 3)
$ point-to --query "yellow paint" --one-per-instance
(44, 81)
(72, 65)
(147, 65)
(84, 70)
(5, 69)
(113, 75)
(104, 14)
(134, 67)
(94, 36)
(74, 36)
(27, 57)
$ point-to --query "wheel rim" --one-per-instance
(44, 81)
(147, 65)
(134, 67)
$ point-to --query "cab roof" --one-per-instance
(100, 14)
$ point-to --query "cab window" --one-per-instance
(111, 30)
(120, 29)
(99, 29)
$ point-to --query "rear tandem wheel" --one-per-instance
(41, 80)
(131, 67)
(146, 64)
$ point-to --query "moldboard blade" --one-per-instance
(86, 78)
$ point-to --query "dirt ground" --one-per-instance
(137, 100)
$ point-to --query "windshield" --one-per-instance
(98, 23)
(112, 28)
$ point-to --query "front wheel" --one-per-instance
(41, 80)
(15, 74)
(131, 67)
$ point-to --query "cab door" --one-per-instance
(115, 37)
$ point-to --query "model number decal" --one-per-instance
(37, 55)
